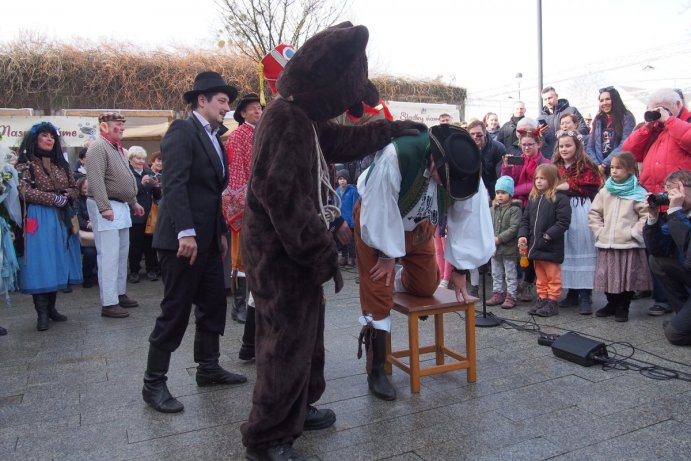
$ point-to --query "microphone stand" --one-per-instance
(485, 321)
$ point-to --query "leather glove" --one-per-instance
(406, 128)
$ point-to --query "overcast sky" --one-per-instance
(478, 44)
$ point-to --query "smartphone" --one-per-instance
(515, 160)
(542, 122)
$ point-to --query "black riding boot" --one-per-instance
(41, 303)
(206, 354)
(155, 391)
(247, 348)
(239, 310)
(375, 344)
(53, 313)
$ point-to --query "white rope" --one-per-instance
(328, 213)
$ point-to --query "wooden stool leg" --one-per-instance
(388, 369)
(470, 342)
(414, 344)
(439, 337)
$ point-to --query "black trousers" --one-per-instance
(676, 281)
(184, 285)
(140, 243)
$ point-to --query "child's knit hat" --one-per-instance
(505, 183)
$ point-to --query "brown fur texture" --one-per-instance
(288, 251)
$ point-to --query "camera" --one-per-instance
(651, 115)
(658, 200)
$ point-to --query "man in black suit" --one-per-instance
(191, 240)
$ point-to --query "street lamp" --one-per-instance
(519, 76)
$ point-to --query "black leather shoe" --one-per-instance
(280, 453)
(218, 376)
(124, 301)
(316, 419)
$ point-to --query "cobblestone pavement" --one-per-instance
(74, 392)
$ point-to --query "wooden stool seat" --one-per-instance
(414, 307)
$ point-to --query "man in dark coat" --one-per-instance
(288, 250)
(191, 240)
(552, 111)
(507, 133)
(492, 153)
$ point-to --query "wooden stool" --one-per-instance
(414, 307)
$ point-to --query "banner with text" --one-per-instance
(74, 131)
(426, 113)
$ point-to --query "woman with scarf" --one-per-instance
(51, 258)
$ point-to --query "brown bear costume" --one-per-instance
(288, 249)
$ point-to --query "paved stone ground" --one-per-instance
(74, 392)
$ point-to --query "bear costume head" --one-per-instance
(328, 74)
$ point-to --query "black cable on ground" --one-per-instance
(618, 361)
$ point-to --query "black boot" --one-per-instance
(206, 354)
(622, 311)
(239, 310)
(41, 302)
(610, 307)
(375, 344)
(155, 391)
(3, 331)
(585, 301)
(316, 419)
(571, 298)
(53, 314)
(247, 348)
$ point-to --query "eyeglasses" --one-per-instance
(528, 146)
(606, 89)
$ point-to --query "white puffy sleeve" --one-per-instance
(381, 225)
(470, 235)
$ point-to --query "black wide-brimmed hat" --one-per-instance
(210, 81)
(246, 99)
(457, 159)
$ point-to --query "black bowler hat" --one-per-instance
(457, 159)
(246, 99)
(209, 81)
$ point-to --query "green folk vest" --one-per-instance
(413, 154)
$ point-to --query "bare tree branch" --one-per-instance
(254, 27)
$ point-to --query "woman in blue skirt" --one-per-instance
(51, 258)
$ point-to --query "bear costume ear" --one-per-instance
(328, 74)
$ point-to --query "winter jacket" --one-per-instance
(670, 151)
(522, 186)
(543, 216)
(492, 155)
(146, 194)
(670, 235)
(348, 199)
(553, 121)
(507, 133)
(593, 143)
(617, 223)
(82, 212)
(506, 220)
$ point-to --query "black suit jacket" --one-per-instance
(195, 177)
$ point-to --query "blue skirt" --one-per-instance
(52, 258)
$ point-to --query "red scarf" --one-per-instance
(117, 144)
(528, 171)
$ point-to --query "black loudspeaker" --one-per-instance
(579, 349)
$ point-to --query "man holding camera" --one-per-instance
(663, 144)
(670, 257)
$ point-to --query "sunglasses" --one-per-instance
(606, 89)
